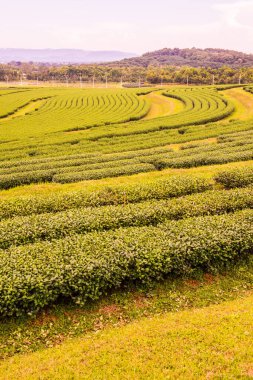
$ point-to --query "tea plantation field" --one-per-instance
(100, 192)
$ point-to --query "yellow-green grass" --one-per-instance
(176, 147)
(56, 324)
(162, 106)
(243, 102)
(209, 343)
(91, 185)
(24, 110)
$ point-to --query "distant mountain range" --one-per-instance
(214, 58)
(59, 56)
(193, 57)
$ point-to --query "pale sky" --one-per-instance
(127, 25)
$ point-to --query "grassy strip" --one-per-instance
(85, 267)
(187, 345)
(53, 326)
(29, 229)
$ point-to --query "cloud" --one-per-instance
(237, 15)
(213, 23)
(231, 27)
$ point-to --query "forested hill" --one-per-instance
(214, 58)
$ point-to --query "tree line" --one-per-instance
(17, 71)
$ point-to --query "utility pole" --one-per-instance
(106, 82)
(187, 80)
(67, 80)
(139, 82)
(93, 83)
(240, 78)
(213, 80)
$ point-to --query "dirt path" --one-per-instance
(243, 102)
(162, 105)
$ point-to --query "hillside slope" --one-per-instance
(191, 57)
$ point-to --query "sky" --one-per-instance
(127, 25)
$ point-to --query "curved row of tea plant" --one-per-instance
(69, 109)
(82, 267)
(87, 167)
(202, 106)
(235, 177)
(17, 179)
(12, 101)
(209, 158)
(48, 163)
(29, 229)
(77, 110)
(174, 186)
(59, 145)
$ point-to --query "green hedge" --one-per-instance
(84, 267)
(208, 158)
(29, 229)
(174, 186)
(8, 181)
(103, 173)
(239, 177)
(78, 160)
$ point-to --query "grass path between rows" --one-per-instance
(243, 102)
(210, 343)
(162, 105)
(28, 108)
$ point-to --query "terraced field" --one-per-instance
(103, 189)
(67, 110)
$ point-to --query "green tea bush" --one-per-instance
(83, 267)
(28, 229)
(8, 181)
(239, 177)
(174, 186)
(210, 158)
(103, 173)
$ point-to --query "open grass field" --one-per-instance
(210, 343)
(111, 198)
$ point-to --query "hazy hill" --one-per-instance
(214, 58)
(191, 57)
(61, 55)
